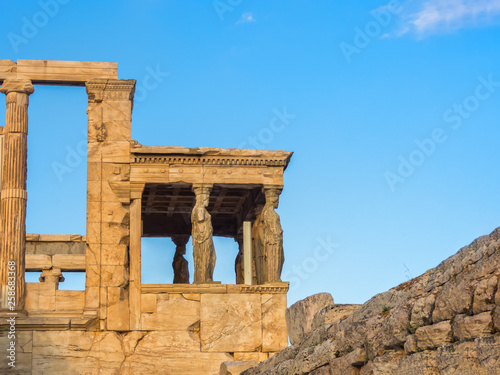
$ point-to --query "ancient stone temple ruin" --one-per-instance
(118, 325)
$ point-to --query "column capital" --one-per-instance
(23, 86)
(110, 89)
(272, 191)
(203, 186)
(136, 189)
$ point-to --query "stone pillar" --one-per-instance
(180, 264)
(14, 194)
(203, 245)
(135, 254)
(109, 201)
(247, 252)
(272, 237)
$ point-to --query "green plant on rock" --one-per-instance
(385, 311)
(341, 353)
(412, 328)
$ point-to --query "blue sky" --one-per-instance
(391, 108)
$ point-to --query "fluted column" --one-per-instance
(14, 194)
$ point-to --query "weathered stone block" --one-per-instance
(173, 314)
(422, 363)
(421, 313)
(93, 171)
(411, 345)
(458, 358)
(115, 255)
(484, 295)
(331, 314)
(114, 276)
(118, 310)
(454, 298)
(470, 327)
(148, 303)
(157, 342)
(161, 362)
(38, 261)
(436, 335)
(32, 295)
(488, 352)
(47, 296)
(274, 333)
(94, 191)
(91, 297)
(70, 300)
(230, 322)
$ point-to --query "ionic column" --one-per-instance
(14, 194)
(180, 264)
(272, 237)
(202, 230)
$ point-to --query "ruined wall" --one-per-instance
(446, 321)
(181, 333)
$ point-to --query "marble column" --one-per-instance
(14, 194)
(202, 230)
(180, 264)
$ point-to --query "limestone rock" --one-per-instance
(430, 337)
(300, 315)
(323, 370)
(422, 311)
(459, 358)
(332, 313)
(411, 344)
(428, 316)
(422, 363)
(236, 367)
(470, 327)
(484, 295)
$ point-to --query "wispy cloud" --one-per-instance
(246, 18)
(440, 16)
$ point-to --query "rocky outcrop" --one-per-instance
(235, 367)
(299, 317)
(446, 321)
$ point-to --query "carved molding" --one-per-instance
(110, 89)
(204, 160)
(263, 289)
(121, 190)
(274, 288)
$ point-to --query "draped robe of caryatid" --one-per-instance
(203, 246)
(271, 235)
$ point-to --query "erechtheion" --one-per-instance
(117, 324)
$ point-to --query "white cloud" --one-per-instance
(246, 18)
(439, 16)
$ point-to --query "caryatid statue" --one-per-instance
(203, 245)
(180, 264)
(272, 237)
(238, 262)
